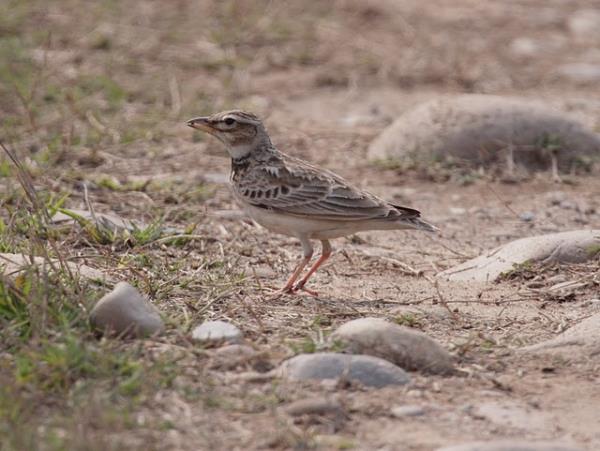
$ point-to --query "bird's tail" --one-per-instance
(419, 224)
(412, 220)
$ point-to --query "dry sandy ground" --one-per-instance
(325, 93)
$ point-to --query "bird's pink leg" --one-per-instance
(288, 288)
(325, 254)
(307, 251)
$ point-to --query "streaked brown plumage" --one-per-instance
(292, 197)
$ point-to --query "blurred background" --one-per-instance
(78, 75)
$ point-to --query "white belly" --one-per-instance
(311, 228)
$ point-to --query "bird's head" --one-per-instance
(241, 132)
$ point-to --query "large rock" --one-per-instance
(125, 312)
(569, 247)
(406, 347)
(478, 130)
(510, 445)
(369, 371)
(579, 341)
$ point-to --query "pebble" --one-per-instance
(409, 348)
(568, 204)
(212, 332)
(524, 47)
(585, 24)
(527, 216)
(125, 312)
(365, 369)
(580, 72)
(314, 406)
(408, 411)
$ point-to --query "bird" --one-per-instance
(292, 197)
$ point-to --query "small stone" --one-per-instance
(408, 411)
(524, 47)
(410, 349)
(216, 332)
(365, 369)
(580, 72)
(568, 205)
(314, 406)
(457, 211)
(125, 312)
(585, 24)
(510, 445)
(527, 216)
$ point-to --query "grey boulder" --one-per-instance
(367, 370)
(125, 312)
(403, 346)
(477, 130)
(576, 246)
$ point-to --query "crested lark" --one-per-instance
(291, 197)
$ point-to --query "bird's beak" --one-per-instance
(200, 123)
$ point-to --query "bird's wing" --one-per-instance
(296, 188)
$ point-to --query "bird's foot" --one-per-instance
(300, 287)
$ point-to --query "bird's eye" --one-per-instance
(229, 121)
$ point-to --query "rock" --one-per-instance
(585, 24)
(216, 332)
(524, 47)
(580, 72)
(579, 341)
(111, 222)
(403, 346)
(367, 370)
(567, 247)
(314, 406)
(230, 356)
(477, 130)
(568, 204)
(510, 445)
(408, 411)
(527, 216)
(125, 312)
(13, 264)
